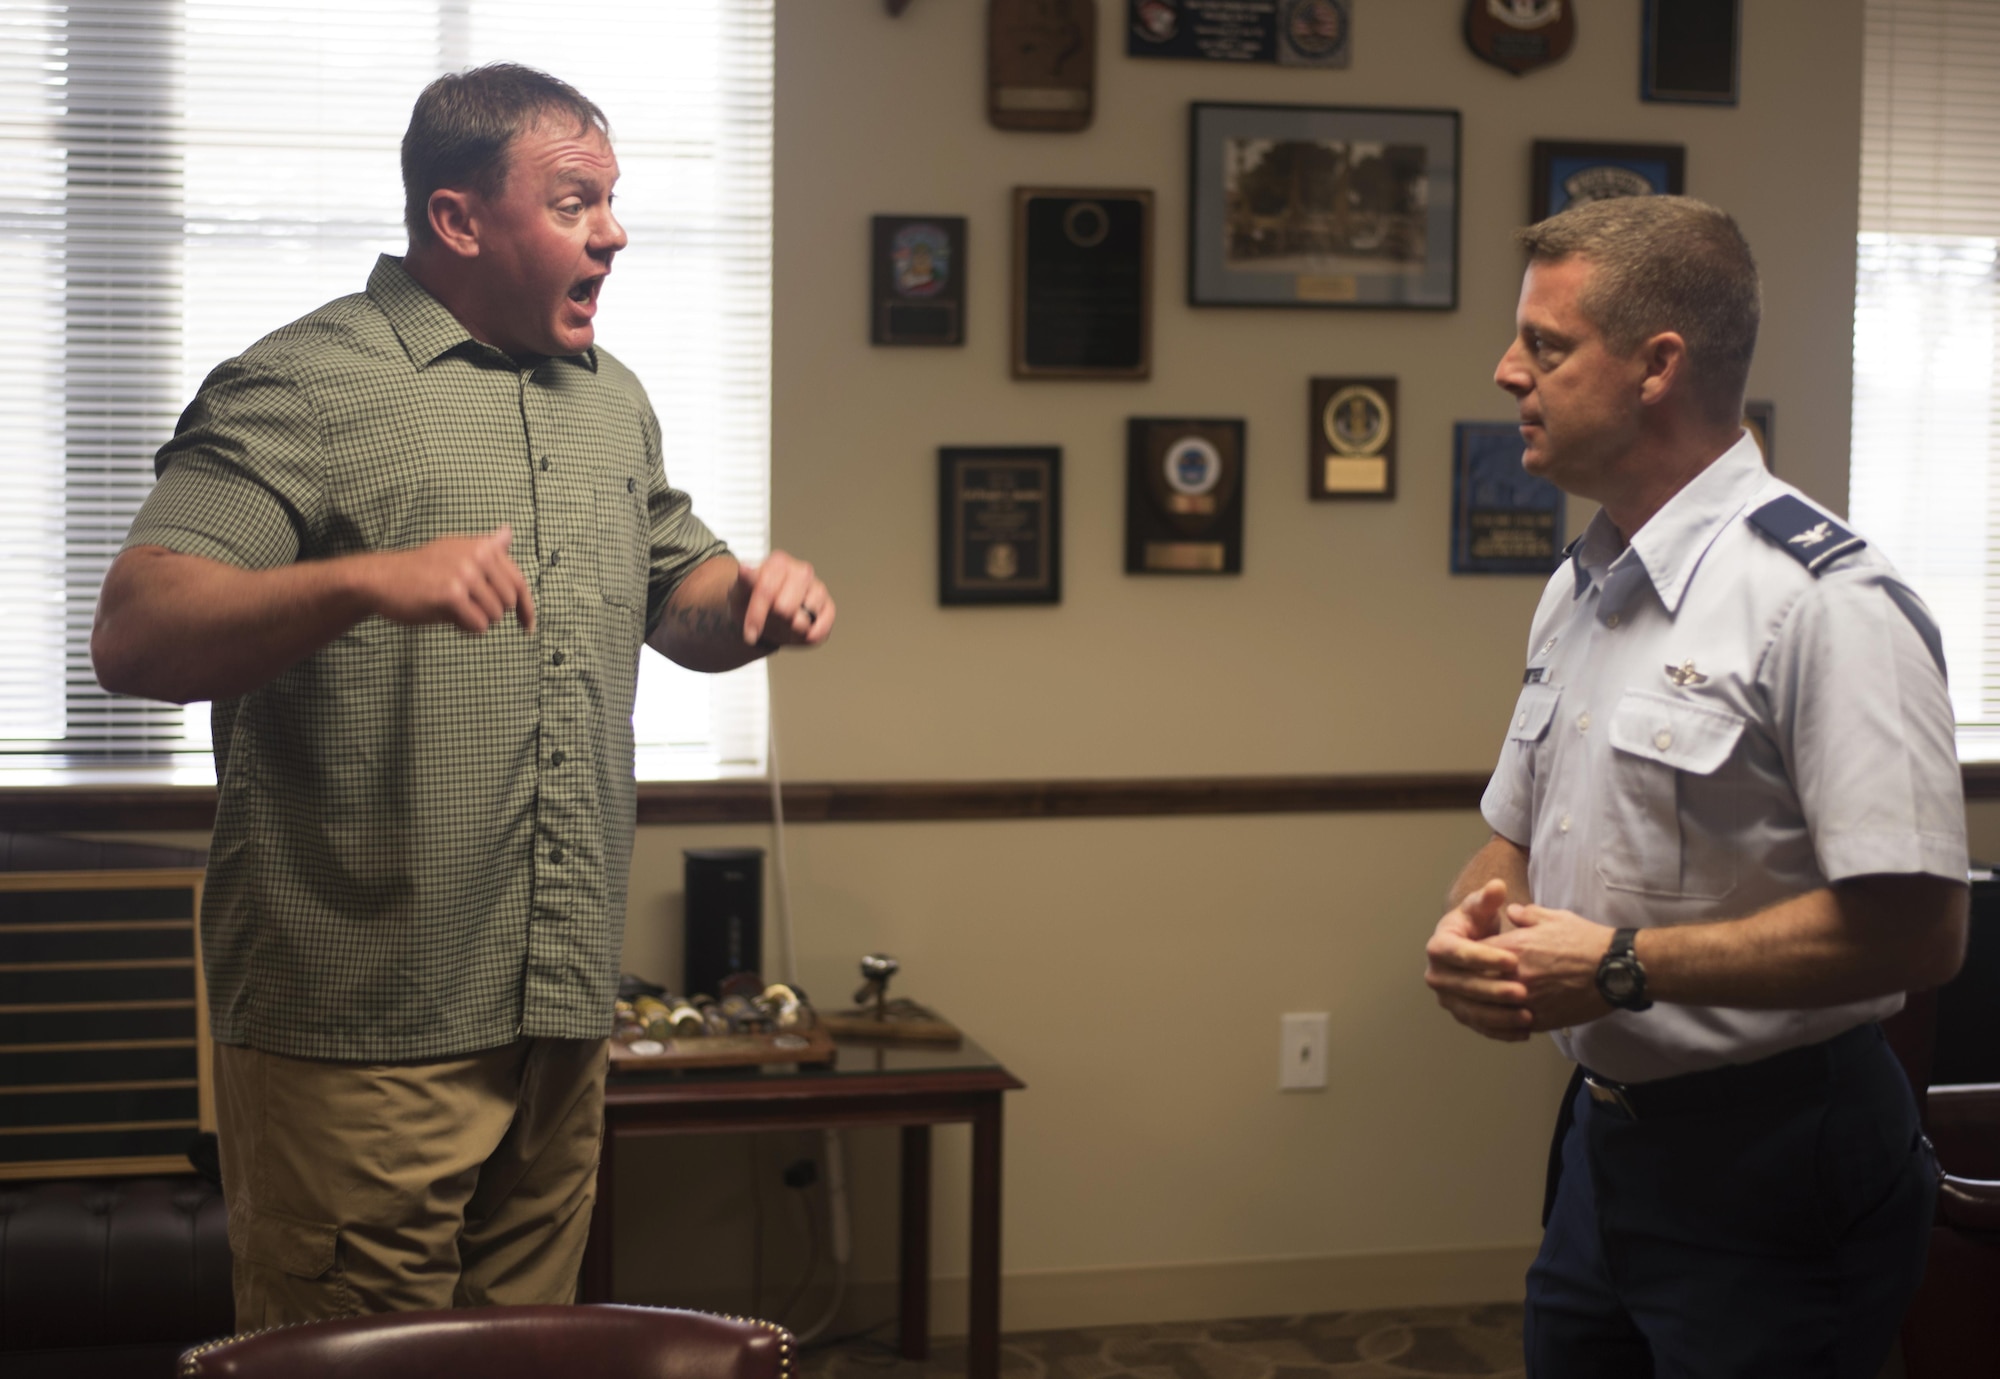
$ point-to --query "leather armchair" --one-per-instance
(600, 1340)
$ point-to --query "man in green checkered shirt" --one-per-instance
(410, 545)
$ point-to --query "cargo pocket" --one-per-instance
(1670, 804)
(288, 1270)
(623, 539)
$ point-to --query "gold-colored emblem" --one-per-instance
(1685, 674)
(1002, 560)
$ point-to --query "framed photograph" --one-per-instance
(1690, 50)
(1567, 174)
(999, 524)
(1183, 496)
(1323, 206)
(1083, 283)
(917, 277)
(1504, 520)
(1351, 445)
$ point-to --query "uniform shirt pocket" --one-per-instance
(1671, 798)
(1533, 712)
(623, 540)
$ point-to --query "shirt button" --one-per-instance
(1663, 739)
(1521, 720)
(556, 855)
(1563, 827)
(557, 659)
(555, 557)
(631, 485)
(1612, 621)
(556, 758)
(1583, 722)
(545, 464)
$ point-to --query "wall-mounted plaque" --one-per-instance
(1520, 35)
(1568, 174)
(1688, 51)
(1352, 452)
(1504, 520)
(917, 274)
(1291, 33)
(1183, 496)
(1322, 206)
(1083, 283)
(1000, 524)
(1041, 63)
(1760, 419)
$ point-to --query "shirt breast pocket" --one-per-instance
(1670, 803)
(1533, 712)
(624, 540)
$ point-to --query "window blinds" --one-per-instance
(1927, 307)
(191, 174)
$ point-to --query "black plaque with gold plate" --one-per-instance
(1352, 453)
(1041, 63)
(999, 524)
(1183, 496)
(1083, 283)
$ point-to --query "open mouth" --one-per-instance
(585, 292)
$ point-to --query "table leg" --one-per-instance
(913, 1256)
(595, 1283)
(982, 1341)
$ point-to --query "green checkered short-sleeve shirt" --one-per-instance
(423, 838)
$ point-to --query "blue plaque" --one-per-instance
(1504, 520)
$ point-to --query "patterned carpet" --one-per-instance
(1407, 1343)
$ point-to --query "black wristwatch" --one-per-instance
(1621, 977)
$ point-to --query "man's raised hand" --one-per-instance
(1473, 979)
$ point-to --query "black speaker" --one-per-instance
(725, 916)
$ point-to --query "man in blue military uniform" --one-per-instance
(1728, 834)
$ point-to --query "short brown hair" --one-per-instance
(463, 123)
(1664, 263)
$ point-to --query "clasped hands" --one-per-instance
(1509, 970)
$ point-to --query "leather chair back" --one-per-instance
(598, 1340)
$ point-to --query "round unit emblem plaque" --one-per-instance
(1356, 421)
(1193, 466)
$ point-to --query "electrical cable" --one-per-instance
(840, 1237)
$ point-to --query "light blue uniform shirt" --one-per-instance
(1707, 727)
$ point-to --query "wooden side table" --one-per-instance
(914, 1088)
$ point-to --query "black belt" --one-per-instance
(1784, 1078)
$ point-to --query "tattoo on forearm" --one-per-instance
(703, 623)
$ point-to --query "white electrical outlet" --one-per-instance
(1302, 1052)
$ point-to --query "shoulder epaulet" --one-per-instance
(1804, 533)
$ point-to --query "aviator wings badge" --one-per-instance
(1685, 674)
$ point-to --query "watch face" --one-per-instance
(1618, 982)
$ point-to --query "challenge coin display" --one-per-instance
(1567, 174)
(918, 277)
(1520, 35)
(1504, 520)
(1291, 33)
(999, 524)
(1353, 430)
(1183, 496)
(1041, 63)
(1083, 275)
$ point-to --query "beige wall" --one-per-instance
(1132, 971)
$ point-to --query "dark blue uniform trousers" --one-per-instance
(1771, 1224)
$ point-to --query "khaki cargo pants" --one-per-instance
(389, 1187)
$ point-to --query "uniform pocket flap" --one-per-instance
(1532, 712)
(1687, 737)
(303, 1249)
